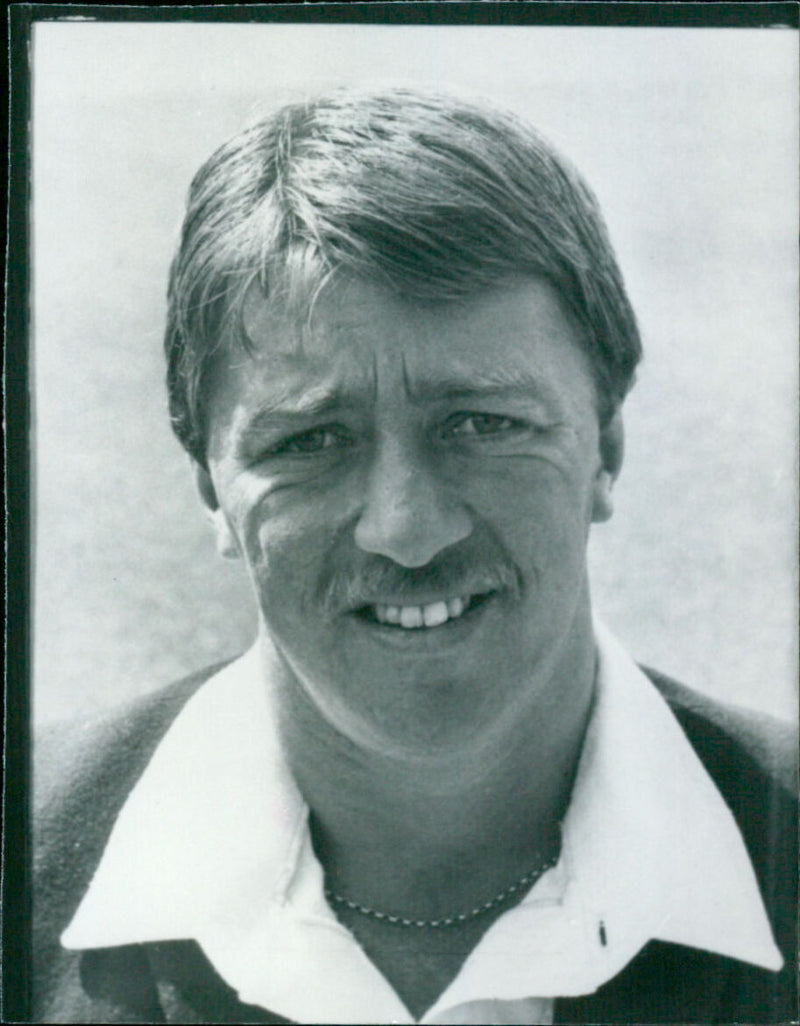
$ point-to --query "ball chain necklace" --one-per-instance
(462, 917)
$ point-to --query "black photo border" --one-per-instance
(19, 491)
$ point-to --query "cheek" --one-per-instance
(287, 551)
(250, 509)
(533, 502)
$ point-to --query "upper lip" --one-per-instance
(425, 599)
(347, 594)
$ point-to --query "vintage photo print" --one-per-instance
(387, 318)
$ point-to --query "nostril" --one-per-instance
(407, 515)
(413, 539)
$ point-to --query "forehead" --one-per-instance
(362, 340)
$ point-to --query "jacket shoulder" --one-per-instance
(114, 742)
(770, 744)
(83, 772)
(752, 760)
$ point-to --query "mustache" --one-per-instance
(453, 574)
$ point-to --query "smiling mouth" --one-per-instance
(429, 615)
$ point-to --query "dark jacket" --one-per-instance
(84, 776)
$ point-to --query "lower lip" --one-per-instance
(424, 638)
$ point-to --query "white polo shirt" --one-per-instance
(213, 845)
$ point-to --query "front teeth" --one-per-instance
(432, 615)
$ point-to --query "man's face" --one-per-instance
(411, 487)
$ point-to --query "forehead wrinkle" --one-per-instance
(408, 386)
(296, 395)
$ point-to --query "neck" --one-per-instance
(421, 836)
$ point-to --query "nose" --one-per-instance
(408, 515)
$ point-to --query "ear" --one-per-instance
(227, 545)
(612, 450)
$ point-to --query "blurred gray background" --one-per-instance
(689, 137)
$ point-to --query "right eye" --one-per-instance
(311, 442)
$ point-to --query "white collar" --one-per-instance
(212, 844)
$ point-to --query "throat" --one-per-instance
(443, 885)
(387, 845)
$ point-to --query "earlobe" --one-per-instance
(227, 545)
(612, 450)
(602, 500)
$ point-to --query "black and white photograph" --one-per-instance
(413, 520)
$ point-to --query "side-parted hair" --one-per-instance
(427, 195)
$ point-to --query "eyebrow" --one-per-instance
(503, 382)
(314, 401)
(293, 404)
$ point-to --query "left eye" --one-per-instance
(474, 424)
(307, 443)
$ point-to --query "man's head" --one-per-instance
(398, 340)
(434, 198)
